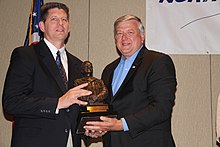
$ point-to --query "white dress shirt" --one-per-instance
(63, 56)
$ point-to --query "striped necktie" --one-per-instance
(61, 69)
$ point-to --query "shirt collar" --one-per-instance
(53, 49)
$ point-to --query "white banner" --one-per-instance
(183, 26)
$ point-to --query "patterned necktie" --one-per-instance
(61, 69)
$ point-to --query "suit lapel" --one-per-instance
(73, 70)
(131, 72)
(111, 77)
(70, 71)
(48, 61)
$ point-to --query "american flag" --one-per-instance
(33, 32)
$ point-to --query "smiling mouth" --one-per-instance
(60, 30)
(125, 44)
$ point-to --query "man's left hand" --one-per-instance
(106, 124)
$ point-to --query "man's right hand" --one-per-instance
(72, 95)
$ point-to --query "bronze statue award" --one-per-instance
(96, 101)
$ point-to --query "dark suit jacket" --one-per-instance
(145, 99)
(31, 91)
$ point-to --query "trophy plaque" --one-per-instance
(96, 101)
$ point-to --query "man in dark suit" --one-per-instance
(44, 106)
(142, 85)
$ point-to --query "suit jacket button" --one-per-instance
(67, 110)
(66, 130)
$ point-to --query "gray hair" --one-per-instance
(127, 18)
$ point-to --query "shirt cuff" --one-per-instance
(57, 111)
(125, 126)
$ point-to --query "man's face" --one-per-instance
(56, 26)
(128, 39)
(88, 68)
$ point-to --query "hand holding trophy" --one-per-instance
(96, 101)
